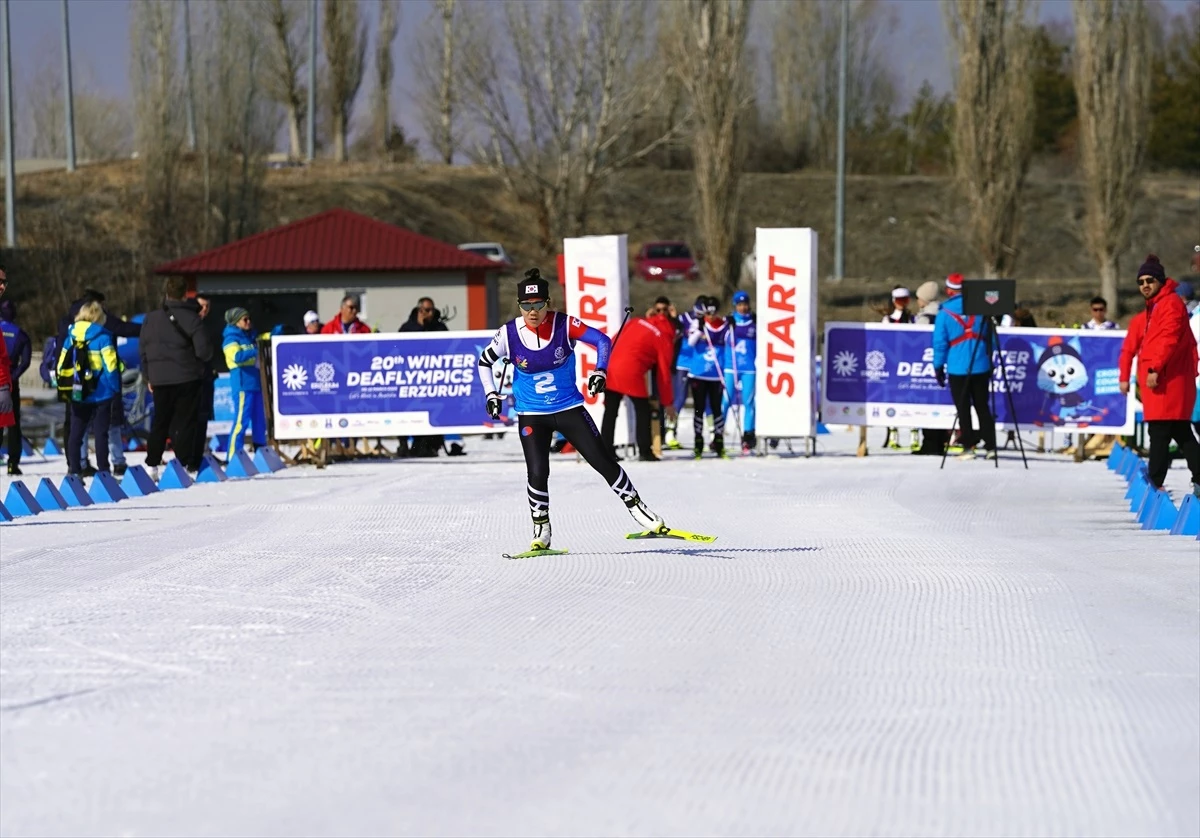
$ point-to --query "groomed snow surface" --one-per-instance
(872, 647)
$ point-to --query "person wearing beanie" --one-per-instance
(245, 383)
(312, 323)
(927, 296)
(1161, 340)
(739, 367)
(540, 345)
(962, 353)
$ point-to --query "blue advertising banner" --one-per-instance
(223, 412)
(882, 374)
(378, 385)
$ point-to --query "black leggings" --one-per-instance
(641, 412)
(579, 429)
(1161, 433)
(710, 393)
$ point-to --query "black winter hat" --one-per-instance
(1152, 267)
(532, 287)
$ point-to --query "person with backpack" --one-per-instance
(20, 351)
(89, 375)
(241, 356)
(174, 350)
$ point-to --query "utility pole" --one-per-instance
(312, 79)
(10, 168)
(68, 88)
(839, 234)
(187, 69)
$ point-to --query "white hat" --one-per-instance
(900, 292)
(311, 317)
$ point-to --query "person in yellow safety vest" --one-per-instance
(241, 356)
(88, 372)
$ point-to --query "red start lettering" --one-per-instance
(585, 280)
(777, 383)
(781, 270)
(592, 308)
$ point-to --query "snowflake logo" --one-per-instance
(323, 373)
(876, 360)
(844, 363)
(294, 377)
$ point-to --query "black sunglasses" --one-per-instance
(537, 306)
(1148, 281)
(1099, 308)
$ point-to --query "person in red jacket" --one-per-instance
(648, 343)
(1166, 353)
(346, 321)
(6, 399)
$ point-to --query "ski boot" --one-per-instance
(748, 443)
(647, 520)
(914, 442)
(719, 449)
(698, 453)
(541, 534)
(670, 442)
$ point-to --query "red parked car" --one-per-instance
(665, 262)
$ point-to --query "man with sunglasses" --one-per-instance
(1099, 318)
(424, 318)
(1161, 340)
(346, 321)
(541, 346)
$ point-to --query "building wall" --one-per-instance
(388, 299)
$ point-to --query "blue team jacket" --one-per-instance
(955, 336)
(241, 356)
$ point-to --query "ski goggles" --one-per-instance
(537, 305)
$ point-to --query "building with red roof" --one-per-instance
(311, 264)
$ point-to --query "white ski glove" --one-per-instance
(493, 404)
(596, 382)
(6, 399)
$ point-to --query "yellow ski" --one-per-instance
(680, 535)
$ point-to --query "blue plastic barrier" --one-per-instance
(137, 483)
(174, 477)
(268, 461)
(106, 489)
(51, 449)
(1117, 458)
(20, 502)
(1142, 489)
(210, 471)
(1161, 514)
(1187, 522)
(1137, 484)
(49, 496)
(241, 465)
(1131, 466)
(73, 490)
(5, 515)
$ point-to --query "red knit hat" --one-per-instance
(954, 282)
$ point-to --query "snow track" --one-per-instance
(871, 647)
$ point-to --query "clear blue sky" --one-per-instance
(100, 43)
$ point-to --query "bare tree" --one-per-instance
(708, 56)
(345, 59)
(557, 119)
(384, 73)
(284, 27)
(803, 64)
(102, 124)
(993, 120)
(433, 64)
(158, 119)
(1112, 87)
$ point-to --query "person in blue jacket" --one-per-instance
(738, 366)
(88, 358)
(20, 351)
(962, 352)
(707, 338)
(241, 356)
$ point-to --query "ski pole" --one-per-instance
(624, 320)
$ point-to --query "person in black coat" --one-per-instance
(424, 318)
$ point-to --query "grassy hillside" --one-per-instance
(899, 230)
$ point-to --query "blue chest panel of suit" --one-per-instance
(686, 351)
(544, 378)
(10, 339)
(707, 354)
(740, 349)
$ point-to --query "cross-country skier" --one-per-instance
(739, 366)
(707, 339)
(541, 346)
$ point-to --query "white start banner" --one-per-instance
(597, 291)
(786, 281)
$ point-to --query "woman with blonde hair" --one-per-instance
(89, 376)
